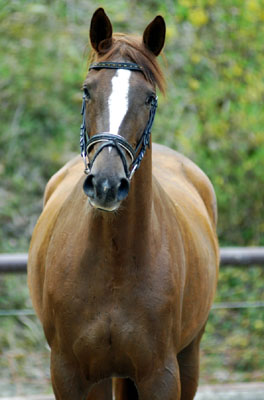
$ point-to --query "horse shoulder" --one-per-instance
(66, 173)
(171, 167)
(57, 190)
(194, 201)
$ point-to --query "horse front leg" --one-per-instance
(163, 383)
(68, 382)
(188, 360)
(101, 391)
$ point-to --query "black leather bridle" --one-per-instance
(112, 140)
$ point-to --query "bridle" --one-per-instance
(112, 140)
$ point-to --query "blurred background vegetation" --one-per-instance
(213, 113)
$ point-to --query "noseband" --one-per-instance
(112, 140)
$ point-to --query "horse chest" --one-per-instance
(116, 341)
(115, 326)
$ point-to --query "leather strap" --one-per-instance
(116, 65)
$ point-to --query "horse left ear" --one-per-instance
(154, 35)
(100, 30)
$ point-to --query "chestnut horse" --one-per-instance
(123, 262)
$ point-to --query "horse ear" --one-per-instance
(100, 30)
(154, 35)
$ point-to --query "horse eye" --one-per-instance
(149, 99)
(86, 93)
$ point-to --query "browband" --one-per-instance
(116, 65)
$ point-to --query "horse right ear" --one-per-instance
(100, 30)
(154, 35)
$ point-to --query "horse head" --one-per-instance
(119, 105)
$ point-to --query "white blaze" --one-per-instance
(118, 100)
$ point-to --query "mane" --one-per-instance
(131, 48)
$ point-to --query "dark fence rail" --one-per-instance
(238, 256)
(13, 263)
(242, 256)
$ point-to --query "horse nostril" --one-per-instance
(88, 186)
(123, 189)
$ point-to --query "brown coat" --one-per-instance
(125, 294)
(120, 293)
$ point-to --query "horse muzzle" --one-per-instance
(106, 193)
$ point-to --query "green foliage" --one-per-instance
(213, 113)
(232, 343)
(24, 356)
(219, 89)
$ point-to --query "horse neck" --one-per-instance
(129, 227)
